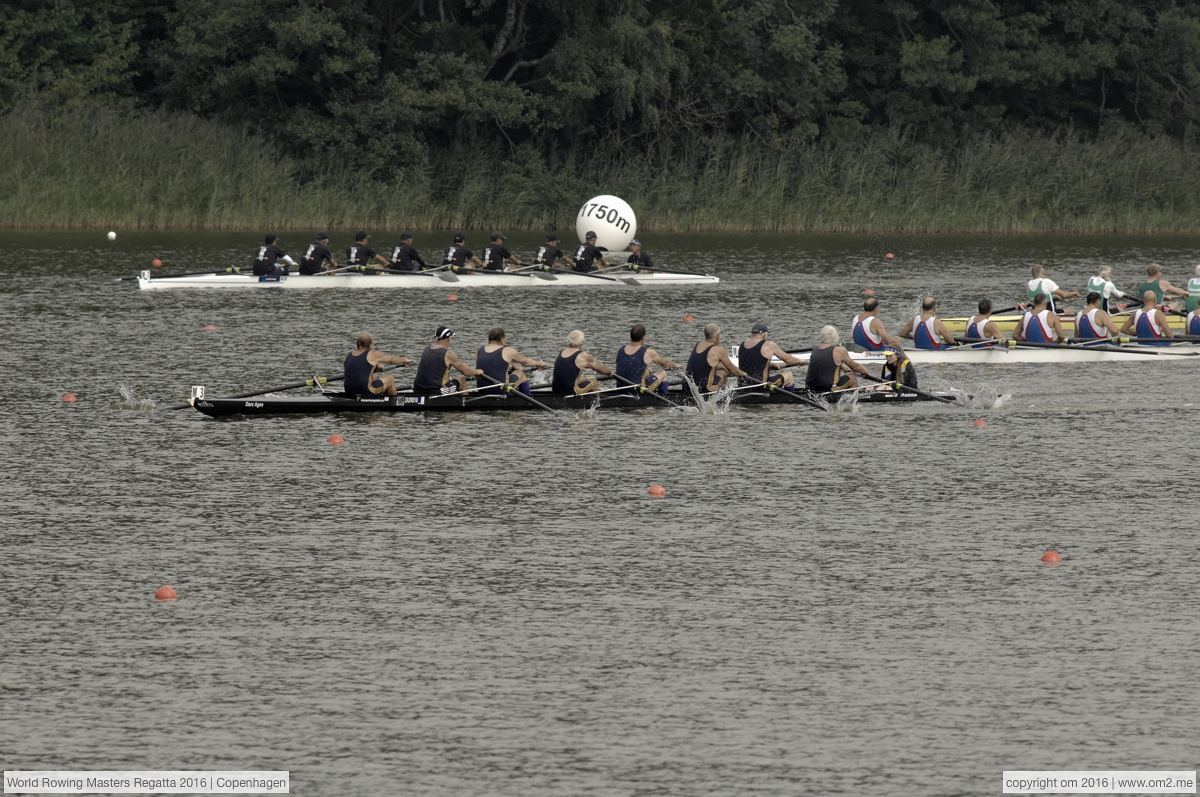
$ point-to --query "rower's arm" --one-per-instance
(1171, 289)
(529, 362)
(726, 363)
(992, 330)
(394, 360)
(1056, 325)
(1061, 294)
(454, 362)
(1128, 325)
(1109, 325)
(658, 359)
(775, 351)
(842, 358)
(382, 260)
(1163, 325)
(594, 364)
(906, 332)
(940, 328)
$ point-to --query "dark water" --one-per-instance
(849, 603)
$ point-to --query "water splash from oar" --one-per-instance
(130, 400)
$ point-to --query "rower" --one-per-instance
(1155, 282)
(755, 355)
(1149, 322)
(548, 255)
(639, 260)
(1191, 324)
(457, 255)
(982, 327)
(635, 361)
(1039, 324)
(1093, 323)
(317, 255)
(709, 365)
(826, 364)
(502, 363)
(360, 252)
(495, 253)
(926, 328)
(867, 328)
(1102, 283)
(404, 254)
(433, 371)
(568, 368)
(1193, 289)
(361, 366)
(588, 253)
(898, 368)
(1044, 285)
(264, 261)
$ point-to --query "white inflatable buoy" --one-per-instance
(610, 218)
(112, 236)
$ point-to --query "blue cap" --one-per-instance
(635, 242)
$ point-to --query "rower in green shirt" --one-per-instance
(1159, 286)
(1102, 284)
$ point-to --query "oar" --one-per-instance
(901, 386)
(977, 341)
(1020, 306)
(1180, 338)
(539, 271)
(444, 277)
(323, 380)
(656, 270)
(233, 270)
(772, 387)
(515, 391)
(626, 280)
(805, 350)
(644, 389)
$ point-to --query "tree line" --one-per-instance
(379, 85)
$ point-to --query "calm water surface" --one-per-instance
(849, 603)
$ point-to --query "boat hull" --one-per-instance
(338, 403)
(147, 282)
(1004, 355)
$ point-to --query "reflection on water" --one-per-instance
(490, 603)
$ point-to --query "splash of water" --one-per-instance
(132, 401)
(715, 403)
(848, 401)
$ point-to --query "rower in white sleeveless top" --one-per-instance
(1102, 284)
(926, 328)
(867, 329)
(1043, 284)
(1149, 322)
(1193, 289)
(1093, 323)
(982, 327)
(1039, 324)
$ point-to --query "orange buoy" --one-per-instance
(209, 328)
(889, 256)
(1051, 556)
(335, 440)
(981, 422)
(156, 263)
(165, 594)
(69, 397)
(452, 297)
(868, 292)
(689, 318)
(657, 490)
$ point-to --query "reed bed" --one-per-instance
(114, 167)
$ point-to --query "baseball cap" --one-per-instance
(888, 350)
(759, 327)
(361, 235)
(550, 239)
(590, 235)
(404, 236)
(459, 237)
(497, 236)
(443, 333)
(322, 236)
(635, 242)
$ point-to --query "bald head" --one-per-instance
(365, 340)
(711, 331)
(1149, 298)
(1037, 271)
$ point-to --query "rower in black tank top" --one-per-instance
(567, 375)
(699, 371)
(358, 374)
(752, 361)
(493, 364)
(632, 367)
(822, 371)
(432, 372)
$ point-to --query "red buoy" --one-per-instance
(165, 594)
(452, 297)
(689, 318)
(889, 256)
(868, 292)
(69, 397)
(1051, 556)
(209, 328)
(981, 422)
(335, 440)
(657, 490)
(156, 263)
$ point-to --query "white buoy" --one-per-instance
(610, 218)
(112, 236)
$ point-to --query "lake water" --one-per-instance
(842, 603)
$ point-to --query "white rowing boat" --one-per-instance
(1003, 355)
(440, 279)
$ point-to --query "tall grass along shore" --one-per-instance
(100, 166)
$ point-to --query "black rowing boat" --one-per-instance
(340, 402)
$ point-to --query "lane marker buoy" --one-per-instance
(452, 298)
(612, 220)
(209, 328)
(657, 490)
(335, 440)
(112, 236)
(68, 397)
(165, 594)
(689, 318)
(980, 422)
(1051, 556)
(889, 256)
(156, 263)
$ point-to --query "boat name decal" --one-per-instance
(254, 403)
